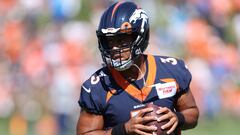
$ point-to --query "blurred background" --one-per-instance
(48, 48)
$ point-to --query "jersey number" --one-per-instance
(173, 61)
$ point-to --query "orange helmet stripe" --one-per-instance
(115, 9)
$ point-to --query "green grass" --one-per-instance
(4, 127)
(221, 125)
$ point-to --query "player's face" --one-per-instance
(120, 47)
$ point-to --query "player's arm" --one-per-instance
(186, 116)
(91, 124)
(187, 107)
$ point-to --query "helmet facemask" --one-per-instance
(117, 50)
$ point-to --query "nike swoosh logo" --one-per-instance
(87, 90)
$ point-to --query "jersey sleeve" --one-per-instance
(184, 77)
(90, 100)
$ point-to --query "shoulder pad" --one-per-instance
(179, 70)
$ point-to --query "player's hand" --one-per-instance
(135, 126)
(168, 115)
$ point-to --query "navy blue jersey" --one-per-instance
(108, 94)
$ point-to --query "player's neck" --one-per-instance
(134, 73)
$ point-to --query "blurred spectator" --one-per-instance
(46, 125)
(64, 9)
(18, 125)
(46, 51)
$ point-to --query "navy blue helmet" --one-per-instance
(123, 20)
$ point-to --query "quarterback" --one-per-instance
(113, 99)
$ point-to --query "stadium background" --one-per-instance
(48, 48)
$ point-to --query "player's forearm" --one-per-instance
(191, 118)
(96, 132)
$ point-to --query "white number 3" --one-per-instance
(173, 61)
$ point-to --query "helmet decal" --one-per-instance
(110, 30)
(138, 51)
(126, 27)
(139, 14)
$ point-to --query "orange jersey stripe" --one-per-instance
(152, 70)
(142, 94)
(110, 94)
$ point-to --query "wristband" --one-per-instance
(181, 119)
(119, 130)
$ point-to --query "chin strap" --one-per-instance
(144, 81)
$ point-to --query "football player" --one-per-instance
(113, 99)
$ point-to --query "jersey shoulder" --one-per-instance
(92, 95)
(94, 81)
(177, 68)
(171, 62)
